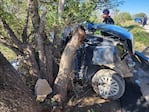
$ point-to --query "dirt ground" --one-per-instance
(85, 100)
(88, 101)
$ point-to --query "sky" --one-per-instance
(135, 6)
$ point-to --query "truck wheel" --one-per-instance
(108, 84)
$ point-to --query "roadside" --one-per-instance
(146, 27)
(146, 50)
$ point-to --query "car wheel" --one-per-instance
(108, 84)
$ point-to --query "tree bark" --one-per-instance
(17, 44)
(42, 41)
(60, 8)
(10, 46)
(66, 62)
(30, 60)
(11, 34)
(24, 33)
(14, 95)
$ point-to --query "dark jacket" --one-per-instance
(108, 20)
(144, 20)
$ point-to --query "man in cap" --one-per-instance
(106, 17)
(107, 20)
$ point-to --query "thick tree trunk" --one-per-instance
(14, 95)
(66, 62)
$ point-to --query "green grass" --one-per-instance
(141, 37)
(9, 54)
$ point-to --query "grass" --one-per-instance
(141, 37)
(9, 54)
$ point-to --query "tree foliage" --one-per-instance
(76, 11)
(141, 14)
(14, 11)
(125, 16)
(122, 17)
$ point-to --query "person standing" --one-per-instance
(107, 18)
(144, 20)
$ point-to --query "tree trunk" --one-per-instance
(14, 95)
(60, 8)
(31, 61)
(42, 41)
(66, 62)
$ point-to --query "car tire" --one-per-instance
(108, 84)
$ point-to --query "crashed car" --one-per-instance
(104, 61)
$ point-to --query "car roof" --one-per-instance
(114, 30)
(111, 29)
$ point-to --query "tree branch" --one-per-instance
(33, 10)
(11, 33)
(46, 1)
(30, 34)
(24, 33)
(60, 8)
(42, 22)
(10, 46)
